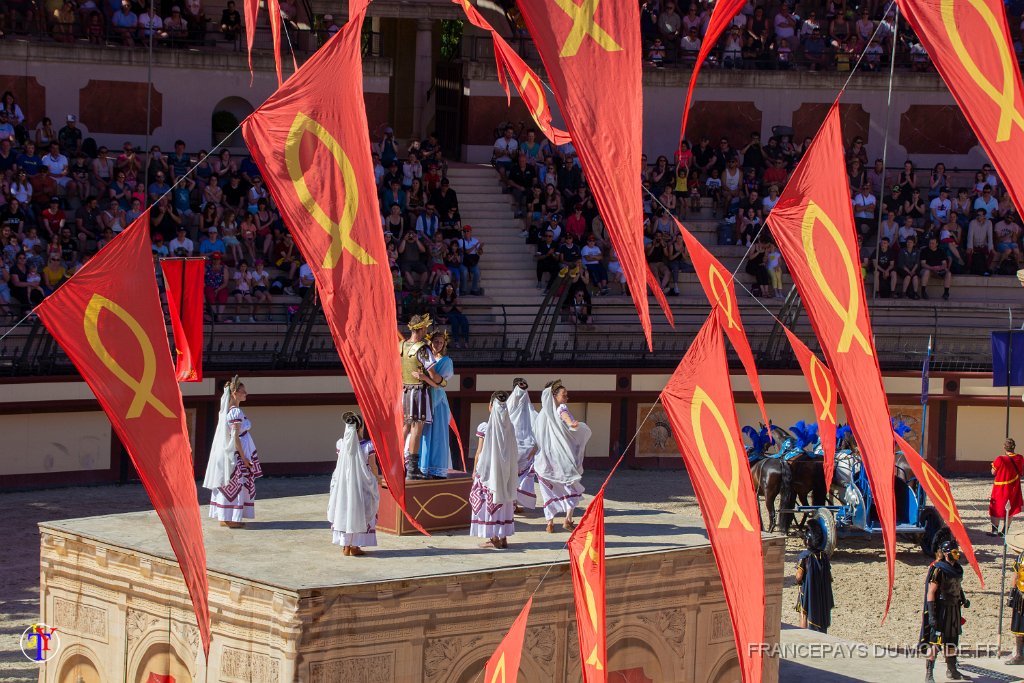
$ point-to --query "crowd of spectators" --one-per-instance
(168, 23)
(434, 257)
(953, 225)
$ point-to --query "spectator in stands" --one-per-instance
(151, 25)
(1007, 244)
(865, 210)
(241, 292)
(689, 45)
(815, 50)
(28, 161)
(546, 256)
(448, 312)
(181, 245)
(158, 187)
(592, 256)
(732, 51)
(935, 263)
(56, 165)
(87, 222)
(411, 251)
(230, 22)
(128, 162)
(285, 255)
(451, 224)
(520, 180)
(883, 266)
(775, 174)
(216, 286)
(670, 26)
(915, 208)
(260, 280)
(44, 134)
(70, 137)
(980, 245)
(329, 26)
(125, 24)
(235, 195)
(211, 243)
(428, 224)
(472, 250)
(678, 261)
(113, 218)
(908, 267)
(196, 18)
(988, 202)
(176, 27)
(389, 148)
(444, 198)
(940, 207)
(505, 150)
(657, 253)
(783, 55)
(394, 222)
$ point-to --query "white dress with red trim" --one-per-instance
(237, 501)
(489, 519)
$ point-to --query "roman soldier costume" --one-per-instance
(941, 617)
(415, 358)
(814, 573)
(1016, 604)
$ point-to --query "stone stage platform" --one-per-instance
(287, 606)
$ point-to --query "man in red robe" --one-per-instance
(1006, 471)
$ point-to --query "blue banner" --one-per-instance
(999, 359)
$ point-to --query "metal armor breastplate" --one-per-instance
(949, 590)
(411, 362)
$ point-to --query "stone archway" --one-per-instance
(727, 670)
(78, 668)
(161, 664)
(633, 660)
(226, 116)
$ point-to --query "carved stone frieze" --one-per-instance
(79, 619)
(249, 667)
(370, 669)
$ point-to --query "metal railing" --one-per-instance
(500, 337)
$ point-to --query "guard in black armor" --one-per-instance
(814, 574)
(944, 598)
(1016, 604)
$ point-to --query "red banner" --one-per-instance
(823, 397)
(252, 10)
(940, 495)
(813, 226)
(525, 79)
(183, 284)
(969, 42)
(503, 666)
(721, 16)
(720, 289)
(109, 321)
(586, 557)
(592, 53)
(700, 408)
(311, 145)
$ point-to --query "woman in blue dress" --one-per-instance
(435, 451)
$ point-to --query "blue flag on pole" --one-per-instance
(1000, 348)
(925, 368)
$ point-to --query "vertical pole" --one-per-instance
(888, 118)
(925, 378)
(1009, 367)
(149, 110)
(1002, 586)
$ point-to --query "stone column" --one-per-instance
(423, 77)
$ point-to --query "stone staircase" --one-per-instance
(507, 271)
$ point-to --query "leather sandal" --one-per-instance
(569, 526)
(356, 551)
(551, 527)
(504, 542)
(346, 551)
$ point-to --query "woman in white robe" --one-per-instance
(492, 497)
(520, 409)
(234, 465)
(355, 496)
(562, 441)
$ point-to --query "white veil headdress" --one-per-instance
(355, 497)
(498, 466)
(221, 464)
